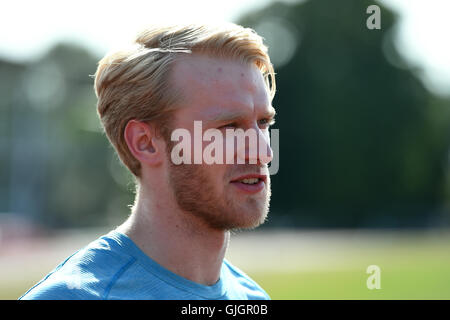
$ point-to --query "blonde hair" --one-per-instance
(134, 83)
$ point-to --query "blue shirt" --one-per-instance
(113, 267)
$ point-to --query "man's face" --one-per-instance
(222, 94)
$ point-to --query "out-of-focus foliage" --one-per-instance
(57, 166)
(362, 142)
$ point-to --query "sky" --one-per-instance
(29, 28)
(423, 36)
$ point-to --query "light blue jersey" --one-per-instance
(113, 267)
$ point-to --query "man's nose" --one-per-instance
(257, 150)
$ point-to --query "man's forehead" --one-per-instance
(228, 113)
(212, 87)
(197, 74)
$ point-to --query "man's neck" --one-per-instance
(176, 240)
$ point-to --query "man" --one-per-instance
(172, 246)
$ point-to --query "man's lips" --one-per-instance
(251, 176)
(247, 187)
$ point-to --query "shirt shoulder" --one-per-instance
(89, 273)
(243, 284)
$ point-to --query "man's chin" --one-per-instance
(251, 225)
(252, 213)
(248, 220)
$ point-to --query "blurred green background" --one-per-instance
(364, 164)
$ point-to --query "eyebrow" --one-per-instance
(233, 116)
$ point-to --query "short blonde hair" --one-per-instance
(134, 83)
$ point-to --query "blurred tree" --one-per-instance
(9, 78)
(57, 159)
(358, 141)
(80, 176)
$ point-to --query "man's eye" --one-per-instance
(229, 125)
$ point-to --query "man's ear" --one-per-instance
(143, 142)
